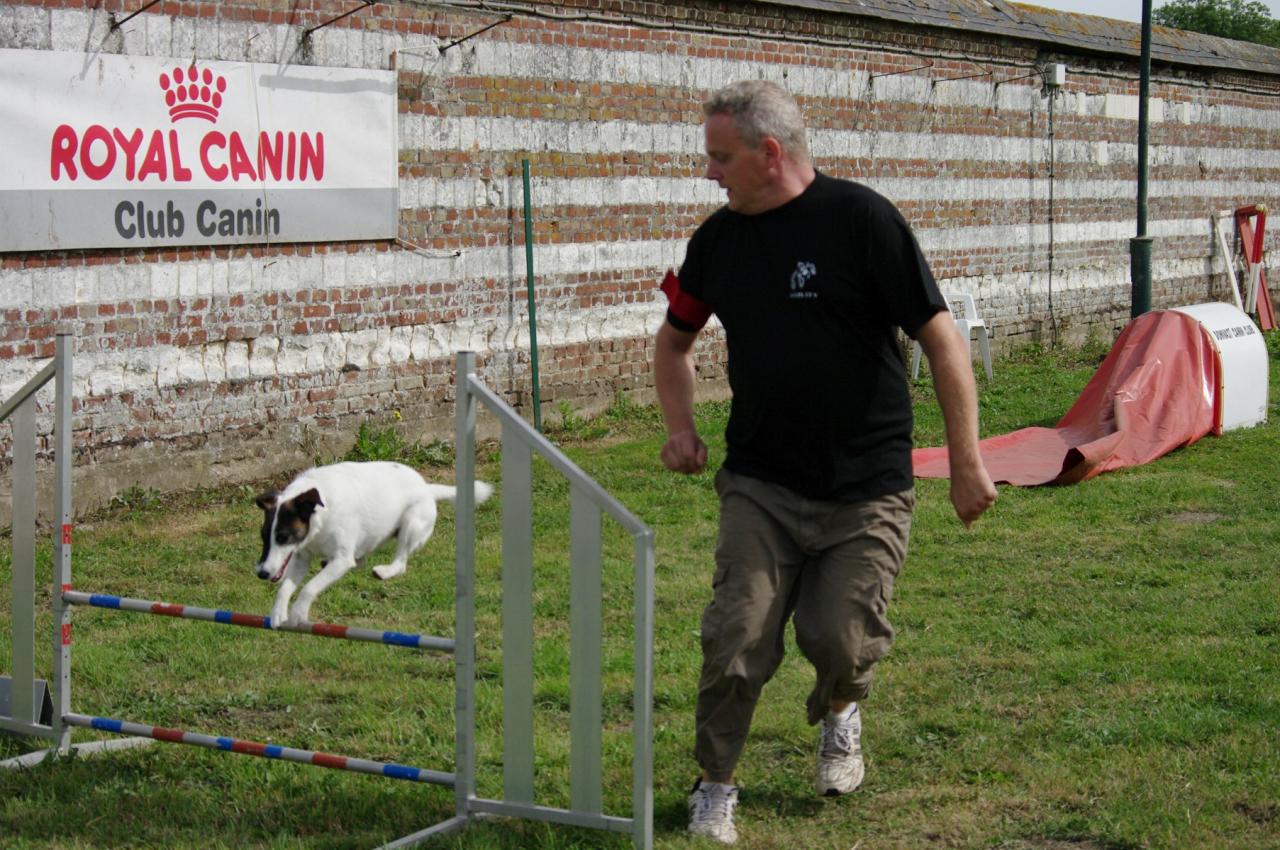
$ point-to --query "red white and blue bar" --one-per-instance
(269, 751)
(255, 621)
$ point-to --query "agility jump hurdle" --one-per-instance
(254, 621)
(268, 751)
(520, 442)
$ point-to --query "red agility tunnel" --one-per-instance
(1171, 377)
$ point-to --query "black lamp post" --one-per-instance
(1140, 245)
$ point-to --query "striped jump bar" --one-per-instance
(268, 751)
(254, 621)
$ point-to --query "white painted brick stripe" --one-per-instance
(1084, 279)
(697, 191)
(436, 132)
(961, 239)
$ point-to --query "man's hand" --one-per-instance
(684, 452)
(971, 491)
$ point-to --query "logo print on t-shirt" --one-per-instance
(800, 278)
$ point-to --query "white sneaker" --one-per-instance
(840, 768)
(711, 806)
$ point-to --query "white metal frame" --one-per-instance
(23, 713)
(588, 503)
(1223, 242)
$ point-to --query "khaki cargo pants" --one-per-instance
(830, 564)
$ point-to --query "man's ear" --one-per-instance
(268, 500)
(306, 503)
(772, 151)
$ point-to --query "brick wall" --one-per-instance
(207, 364)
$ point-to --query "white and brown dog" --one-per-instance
(337, 515)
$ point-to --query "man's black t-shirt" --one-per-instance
(810, 294)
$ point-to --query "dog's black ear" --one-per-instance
(268, 500)
(306, 503)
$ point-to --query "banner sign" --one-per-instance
(106, 151)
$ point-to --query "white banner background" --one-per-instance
(142, 202)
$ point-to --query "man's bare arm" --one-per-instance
(673, 379)
(972, 491)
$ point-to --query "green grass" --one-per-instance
(1094, 666)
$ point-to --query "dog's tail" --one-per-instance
(445, 493)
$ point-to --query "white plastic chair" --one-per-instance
(967, 322)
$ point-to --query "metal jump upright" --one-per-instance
(520, 441)
(588, 503)
(26, 693)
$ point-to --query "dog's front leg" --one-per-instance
(297, 570)
(335, 569)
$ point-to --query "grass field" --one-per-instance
(1095, 666)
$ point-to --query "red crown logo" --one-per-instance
(192, 93)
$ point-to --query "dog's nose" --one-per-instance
(262, 572)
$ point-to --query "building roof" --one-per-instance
(1068, 30)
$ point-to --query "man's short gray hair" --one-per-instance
(760, 108)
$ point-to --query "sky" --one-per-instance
(1123, 10)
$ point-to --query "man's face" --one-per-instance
(740, 170)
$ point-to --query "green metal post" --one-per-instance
(1140, 246)
(533, 313)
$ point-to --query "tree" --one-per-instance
(1242, 20)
